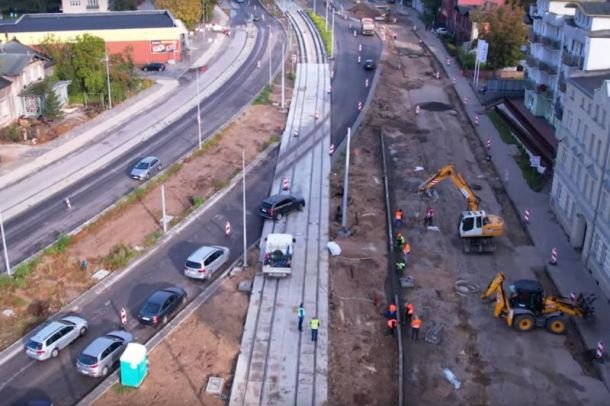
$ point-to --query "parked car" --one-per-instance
(442, 31)
(161, 305)
(153, 67)
(369, 64)
(202, 263)
(145, 168)
(276, 206)
(55, 336)
(102, 353)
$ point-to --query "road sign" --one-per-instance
(482, 48)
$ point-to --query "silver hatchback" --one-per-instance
(54, 337)
(146, 168)
(202, 263)
(102, 353)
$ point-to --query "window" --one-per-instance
(572, 91)
(573, 166)
(563, 157)
(582, 103)
(603, 123)
(75, 3)
(603, 253)
(589, 108)
(603, 206)
(596, 116)
(590, 144)
(578, 174)
(585, 136)
(599, 151)
(467, 224)
(577, 132)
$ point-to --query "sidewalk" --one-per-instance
(93, 145)
(570, 274)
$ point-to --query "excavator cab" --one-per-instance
(526, 294)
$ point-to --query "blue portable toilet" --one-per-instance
(134, 365)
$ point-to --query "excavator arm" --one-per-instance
(459, 182)
(496, 287)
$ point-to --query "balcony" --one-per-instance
(529, 84)
(553, 19)
(551, 43)
(558, 110)
(571, 60)
(561, 84)
(533, 37)
(532, 61)
(534, 13)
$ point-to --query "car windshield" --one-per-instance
(191, 264)
(142, 165)
(87, 359)
(35, 345)
(266, 205)
(151, 308)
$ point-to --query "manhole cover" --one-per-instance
(214, 386)
(435, 106)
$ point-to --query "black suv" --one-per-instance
(274, 207)
(154, 67)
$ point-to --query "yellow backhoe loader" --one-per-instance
(476, 228)
(527, 307)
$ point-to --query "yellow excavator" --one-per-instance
(527, 307)
(476, 228)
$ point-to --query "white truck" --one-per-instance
(277, 260)
(367, 26)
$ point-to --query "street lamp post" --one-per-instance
(243, 172)
(7, 264)
(270, 55)
(198, 109)
(283, 62)
(332, 36)
(108, 78)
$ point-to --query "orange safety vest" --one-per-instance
(398, 215)
(391, 323)
(416, 323)
(393, 308)
(406, 249)
(410, 309)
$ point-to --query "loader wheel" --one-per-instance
(524, 322)
(555, 325)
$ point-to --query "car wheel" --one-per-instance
(83, 331)
(55, 352)
(278, 216)
(183, 300)
(164, 320)
(105, 371)
(301, 205)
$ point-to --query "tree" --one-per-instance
(505, 31)
(51, 105)
(121, 5)
(88, 62)
(431, 8)
(190, 12)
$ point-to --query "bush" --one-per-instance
(38, 308)
(59, 246)
(10, 133)
(319, 22)
(118, 257)
(197, 201)
(263, 96)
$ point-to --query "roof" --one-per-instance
(591, 82)
(111, 20)
(592, 8)
(13, 64)
(464, 10)
(16, 47)
(4, 83)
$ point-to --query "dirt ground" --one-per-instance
(205, 345)
(495, 365)
(58, 279)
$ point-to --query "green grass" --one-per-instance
(152, 238)
(531, 175)
(118, 257)
(122, 390)
(19, 278)
(266, 144)
(326, 34)
(59, 246)
(263, 96)
(197, 201)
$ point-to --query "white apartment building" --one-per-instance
(566, 38)
(84, 6)
(580, 195)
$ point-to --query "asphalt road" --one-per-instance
(39, 226)
(22, 378)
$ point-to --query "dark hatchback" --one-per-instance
(161, 305)
(153, 67)
(369, 64)
(276, 206)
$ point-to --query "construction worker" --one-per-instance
(428, 219)
(400, 240)
(409, 311)
(400, 266)
(398, 217)
(391, 326)
(314, 323)
(415, 326)
(406, 250)
(301, 316)
(391, 313)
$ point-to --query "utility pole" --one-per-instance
(326, 18)
(198, 109)
(283, 62)
(6, 263)
(270, 55)
(314, 6)
(346, 182)
(108, 78)
(243, 181)
(332, 36)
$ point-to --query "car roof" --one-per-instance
(47, 330)
(148, 159)
(159, 296)
(201, 253)
(98, 345)
(276, 198)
